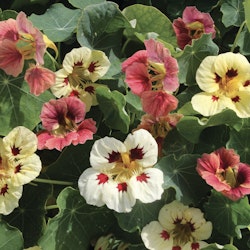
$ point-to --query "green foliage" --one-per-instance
(228, 216)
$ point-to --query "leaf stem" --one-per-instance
(237, 36)
(51, 207)
(56, 182)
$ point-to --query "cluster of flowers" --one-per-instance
(19, 165)
(122, 172)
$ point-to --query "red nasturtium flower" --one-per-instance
(152, 74)
(192, 25)
(223, 171)
(64, 123)
(19, 41)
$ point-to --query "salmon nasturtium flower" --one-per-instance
(223, 171)
(64, 123)
(179, 227)
(192, 25)
(39, 79)
(19, 165)
(81, 68)
(225, 81)
(122, 172)
(152, 74)
(19, 41)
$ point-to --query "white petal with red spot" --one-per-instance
(194, 245)
(144, 146)
(118, 196)
(91, 184)
(155, 237)
(147, 187)
(105, 153)
(240, 104)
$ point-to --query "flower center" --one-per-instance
(65, 125)
(126, 164)
(231, 176)
(77, 77)
(228, 84)
(26, 45)
(182, 232)
(195, 29)
(157, 73)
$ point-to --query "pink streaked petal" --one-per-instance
(142, 139)
(8, 30)
(39, 79)
(118, 198)
(158, 103)
(85, 131)
(140, 56)
(147, 187)
(154, 236)
(156, 51)
(181, 33)
(26, 26)
(11, 61)
(227, 157)
(91, 188)
(101, 151)
(137, 78)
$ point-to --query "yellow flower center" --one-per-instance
(26, 45)
(125, 168)
(65, 125)
(229, 175)
(77, 77)
(157, 74)
(195, 29)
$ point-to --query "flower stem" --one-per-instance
(51, 207)
(56, 182)
(237, 36)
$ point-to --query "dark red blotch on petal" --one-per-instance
(165, 235)
(142, 178)
(103, 178)
(136, 153)
(15, 151)
(122, 187)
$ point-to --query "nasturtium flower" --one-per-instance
(122, 172)
(178, 227)
(152, 74)
(19, 41)
(64, 123)
(192, 25)
(225, 81)
(39, 79)
(223, 171)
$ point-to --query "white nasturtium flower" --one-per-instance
(178, 227)
(122, 172)
(225, 82)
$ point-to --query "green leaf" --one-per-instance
(228, 216)
(82, 4)
(100, 26)
(192, 56)
(57, 26)
(233, 13)
(76, 224)
(240, 141)
(29, 217)
(10, 237)
(134, 103)
(246, 5)
(182, 176)
(18, 105)
(243, 41)
(112, 104)
(6, 14)
(148, 19)
(191, 127)
(142, 214)
(215, 246)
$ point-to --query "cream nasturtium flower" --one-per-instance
(81, 68)
(178, 227)
(225, 80)
(18, 165)
(122, 172)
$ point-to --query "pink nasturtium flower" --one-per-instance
(179, 227)
(223, 171)
(152, 74)
(192, 25)
(64, 123)
(39, 79)
(19, 41)
(225, 81)
(122, 172)
(19, 165)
